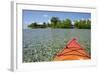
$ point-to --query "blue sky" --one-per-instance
(30, 16)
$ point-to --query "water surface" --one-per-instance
(43, 44)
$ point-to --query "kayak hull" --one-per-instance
(72, 51)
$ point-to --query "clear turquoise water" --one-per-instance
(42, 44)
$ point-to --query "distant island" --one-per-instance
(55, 22)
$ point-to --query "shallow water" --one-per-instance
(43, 44)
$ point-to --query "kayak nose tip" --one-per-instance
(74, 39)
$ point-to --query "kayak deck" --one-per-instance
(72, 51)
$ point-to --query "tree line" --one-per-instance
(55, 22)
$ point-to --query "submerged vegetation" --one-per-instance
(43, 44)
(55, 22)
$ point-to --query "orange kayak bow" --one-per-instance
(72, 51)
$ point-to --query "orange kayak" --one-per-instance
(72, 51)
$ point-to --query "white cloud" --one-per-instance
(89, 18)
(45, 15)
(82, 19)
(72, 22)
(49, 21)
(40, 23)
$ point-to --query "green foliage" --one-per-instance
(54, 22)
(67, 23)
(32, 25)
(35, 25)
(83, 24)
